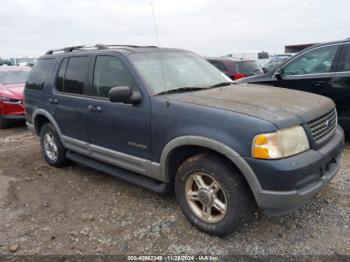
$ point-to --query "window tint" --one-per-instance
(313, 62)
(60, 75)
(219, 65)
(346, 62)
(109, 72)
(76, 74)
(248, 67)
(40, 73)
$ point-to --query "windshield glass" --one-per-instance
(167, 71)
(13, 77)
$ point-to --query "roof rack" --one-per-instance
(98, 47)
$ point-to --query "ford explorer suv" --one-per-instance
(322, 69)
(168, 120)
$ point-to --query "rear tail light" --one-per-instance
(239, 75)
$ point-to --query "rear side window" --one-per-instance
(219, 65)
(76, 74)
(249, 67)
(40, 74)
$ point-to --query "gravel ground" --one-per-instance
(77, 210)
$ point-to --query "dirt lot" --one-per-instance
(76, 210)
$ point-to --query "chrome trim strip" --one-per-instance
(116, 158)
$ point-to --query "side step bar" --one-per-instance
(122, 174)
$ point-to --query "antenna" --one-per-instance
(155, 24)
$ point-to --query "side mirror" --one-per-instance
(279, 73)
(124, 94)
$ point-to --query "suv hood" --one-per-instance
(12, 91)
(283, 107)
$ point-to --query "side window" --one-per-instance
(345, 64)
(60, 75)
(109, 72)
(313, 62)
(219, 65)
(40, 74)
(76, 73)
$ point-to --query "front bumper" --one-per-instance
(12, 111)
(14, 117)
(291, 182)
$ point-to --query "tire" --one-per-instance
(233, 193)
(3, 123)
(52, 150)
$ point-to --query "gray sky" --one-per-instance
(208, 27)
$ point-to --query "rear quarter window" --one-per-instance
(40, 74)
(248, 67)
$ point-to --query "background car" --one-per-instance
(275, 61)
(322, 69)
(236, 69)
(22, 61)
(12, 80)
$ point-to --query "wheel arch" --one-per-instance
(40, 117)
(203, 143)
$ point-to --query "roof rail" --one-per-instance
(97, 46)
(65, 49)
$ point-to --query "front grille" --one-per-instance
(322, 127)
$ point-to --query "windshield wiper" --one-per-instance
(180, 90)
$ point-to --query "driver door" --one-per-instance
(312, 71)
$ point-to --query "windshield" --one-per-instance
(167, 71)
(248, 67)
(13, 77)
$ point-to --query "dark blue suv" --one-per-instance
(168, 120)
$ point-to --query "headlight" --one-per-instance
(283, 143)
(10, 100)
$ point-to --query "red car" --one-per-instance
(12, 80)
(236, 69)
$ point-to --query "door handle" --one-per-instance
(319, 83)
(53, 101)
(93, 108)
(98, 109)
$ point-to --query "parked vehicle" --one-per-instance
(12, 80)
(261, 57)
(180, 124)
(275, 61)
(22, 61)
(322, 69)
(236, 69)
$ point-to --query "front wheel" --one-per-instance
(212, 194)
(51, 146)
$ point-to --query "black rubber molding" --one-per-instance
(122, 174)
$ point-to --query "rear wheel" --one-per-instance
(51, 146)
(3, 123)
(212, 194)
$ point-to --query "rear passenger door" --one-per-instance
(118, 131)
(68, 102)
